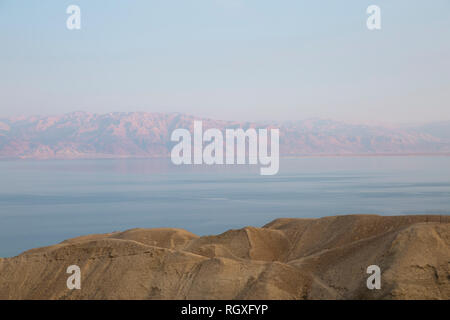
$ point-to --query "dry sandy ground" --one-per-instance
(322, 258)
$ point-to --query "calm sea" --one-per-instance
(45, 202)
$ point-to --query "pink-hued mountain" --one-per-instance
(141, 134)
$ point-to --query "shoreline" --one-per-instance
(105, 157)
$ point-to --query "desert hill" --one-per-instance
(286, 259)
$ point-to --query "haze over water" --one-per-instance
(45, 202)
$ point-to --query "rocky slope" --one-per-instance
(287, 259)
(141, 134)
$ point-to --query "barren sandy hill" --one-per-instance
(322, 258)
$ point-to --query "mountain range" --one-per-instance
(141, 134)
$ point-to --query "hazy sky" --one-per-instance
(229, 59)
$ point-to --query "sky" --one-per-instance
(228, 59)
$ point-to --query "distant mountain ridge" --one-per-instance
(142, 134)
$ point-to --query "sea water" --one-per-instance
(45, 202)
